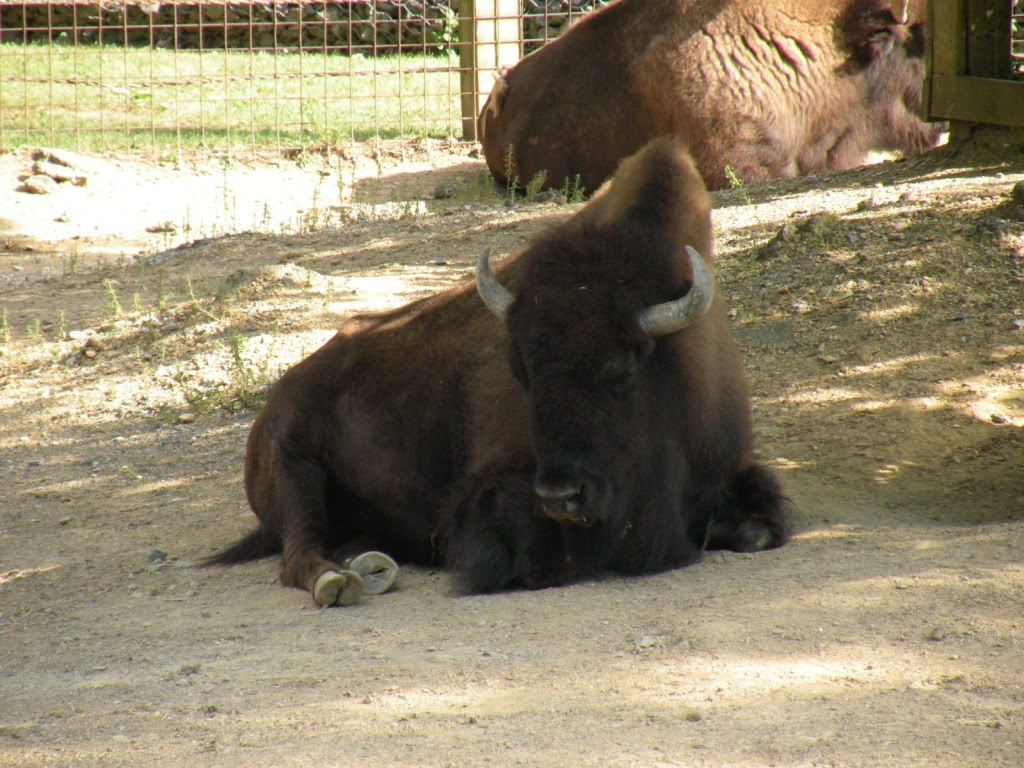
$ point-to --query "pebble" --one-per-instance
(444, 191)
(186, 418)
(40, 184)
(157, 556)
(59, 172)
(1017, 193)
(937, 634)
(643, 642)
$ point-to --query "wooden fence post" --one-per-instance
(490, 37)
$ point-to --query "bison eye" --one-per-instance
(620, 382)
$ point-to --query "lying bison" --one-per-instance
(591, 416)
(756, 88)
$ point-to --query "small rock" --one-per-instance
(164, 226)
(59, 172)
(936, 635)
(642, 642)
(784, 235)
(157, 556)
(186, 418)
(444, 191)
(800, 307)
(1017, 193)
(1017, 324)
(94, 343)
(39, 185)
(89, 352)
(64, 520)
(549, 196)
(998, 418)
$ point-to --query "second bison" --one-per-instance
(757, 90)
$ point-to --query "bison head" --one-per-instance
(586, 352)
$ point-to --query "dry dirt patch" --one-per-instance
(880, 314)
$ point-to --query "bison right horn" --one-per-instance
(671, 316)
(497, 297)
(899, 11)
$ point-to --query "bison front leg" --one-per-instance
(754, 516)
(496, 537)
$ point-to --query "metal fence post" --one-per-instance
(490, 37)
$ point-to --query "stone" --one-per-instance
(39, 184)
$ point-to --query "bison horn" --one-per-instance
(496, 296)
(899, 11)
(672, 316)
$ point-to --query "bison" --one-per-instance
(591, 413)
(757, 89)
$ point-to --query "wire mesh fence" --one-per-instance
(1017, 39)
(165, 77)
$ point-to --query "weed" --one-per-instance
(71, 263)
(5, 328)
(62, 326)
(161, 294)
(113, 302)
(736, 184)
(245, 387)
(246, 381)
(194, 302)
(136, 303)
(35, 330)
(536, 184)
(573, 189)
(512, 178)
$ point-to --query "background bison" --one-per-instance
(756, 89)
(611, 430)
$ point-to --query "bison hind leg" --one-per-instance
(755, 516)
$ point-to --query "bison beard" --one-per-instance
(592, 415)
(757, 89)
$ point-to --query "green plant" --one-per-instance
(536, 184)
(573, 189)
(62, 326)
(736, 184)
(511, 177)
(35, 330)
(113, 302)
(5, 327)
(161, 294)
(194, 302)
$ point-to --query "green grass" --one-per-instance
(113, 98)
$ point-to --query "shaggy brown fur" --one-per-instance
(769, 88)
(424, 431)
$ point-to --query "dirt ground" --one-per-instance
(880, 313)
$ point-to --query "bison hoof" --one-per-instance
(338, 588)
(377, 570)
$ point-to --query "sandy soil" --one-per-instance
(880, 312)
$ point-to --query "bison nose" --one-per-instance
(560, 499)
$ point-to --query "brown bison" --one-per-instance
(591, 416)
(756, 89)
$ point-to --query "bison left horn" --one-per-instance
(672, 316)
(496, 296)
